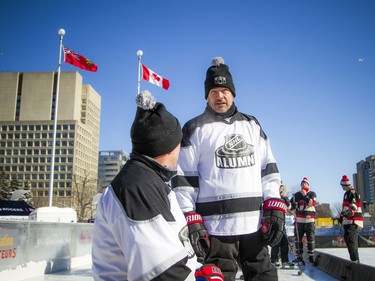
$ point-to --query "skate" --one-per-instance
(311, 260)
(298, 260)
(287, 265)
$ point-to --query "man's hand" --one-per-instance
(209, 272)
(198, 234)
(273, 220)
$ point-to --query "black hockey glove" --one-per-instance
(341, 218)
(348, 213)
(273, 221)
(209, 272)
(198, 234)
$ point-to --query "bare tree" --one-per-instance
(14, 189)
(5, 191)
(336, 208)
(323, 210)
(84, 189)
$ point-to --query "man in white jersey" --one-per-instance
(140, 232)
(227, 184)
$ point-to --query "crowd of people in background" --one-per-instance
(303, 204)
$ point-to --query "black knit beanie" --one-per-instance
(155, 131)
(218, 75)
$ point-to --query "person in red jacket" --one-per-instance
(303, 202)
(351, 217)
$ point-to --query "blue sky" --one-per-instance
(297, 67)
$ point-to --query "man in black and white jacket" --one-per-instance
(140, 232)
(228, 184)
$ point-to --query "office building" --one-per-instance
(364, 181)
(27, 111)
(110, 163)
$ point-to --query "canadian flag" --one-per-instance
(152, 77)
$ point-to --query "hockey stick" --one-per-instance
(299, 256)
(292, 249)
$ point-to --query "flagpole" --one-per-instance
(139, 54)
(50, 194)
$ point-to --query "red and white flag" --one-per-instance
(152, 77)
(79, 60)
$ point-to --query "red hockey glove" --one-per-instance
(198, 234)
(209, 272)
(273, 220)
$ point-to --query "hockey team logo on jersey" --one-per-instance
(235, 153)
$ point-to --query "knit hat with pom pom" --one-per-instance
(155, 131)
(345, 181)
(306, 188)
(218, 75)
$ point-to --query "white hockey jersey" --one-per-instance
(226, 170)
